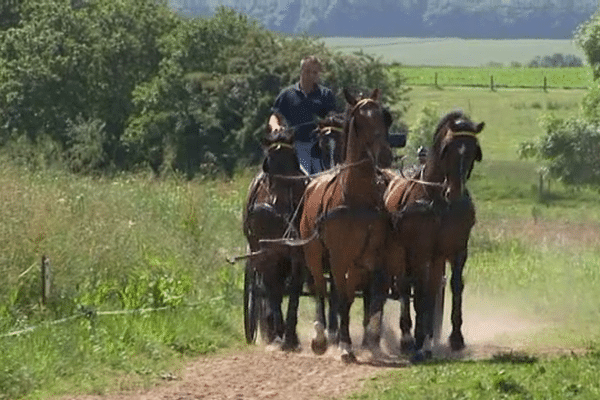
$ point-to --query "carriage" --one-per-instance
(304, 234)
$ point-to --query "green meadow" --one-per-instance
(134, 242)
(453, 51)
(498, 77)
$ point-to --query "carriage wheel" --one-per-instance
(251, 304)
(438, 313)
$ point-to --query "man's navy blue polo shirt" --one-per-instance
(299, 109)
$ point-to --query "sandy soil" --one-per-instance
(266, 373)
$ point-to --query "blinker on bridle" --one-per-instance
(278, 145)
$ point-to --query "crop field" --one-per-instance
(453, 51)
(498, 77)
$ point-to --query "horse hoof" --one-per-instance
(318, 347)
(457, 342)
(421, 356)
(319, 343)
(291, 345)
(348, 357)
(407, 344)
(333, 337)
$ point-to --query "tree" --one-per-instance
(67, 64)
(587, 36)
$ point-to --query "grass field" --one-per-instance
(453, 51)
(511, 115)
(487, 77)
(135, 242)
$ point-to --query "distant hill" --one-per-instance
(482, 19)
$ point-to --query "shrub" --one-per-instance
(571, 148)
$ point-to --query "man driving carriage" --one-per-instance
(298, 106)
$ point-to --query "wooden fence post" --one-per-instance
(46, 279)
(545, 84)
(436, 79)
(492, 83)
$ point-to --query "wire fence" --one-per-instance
(83, 312)
(92, 314)
(493, 83)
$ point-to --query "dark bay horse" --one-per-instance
(272, 211)
(432, 215)
(345, 225)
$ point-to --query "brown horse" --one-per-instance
(345, 225)
(272, 210)
(331, 138)
(433, 214)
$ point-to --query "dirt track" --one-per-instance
(264, 373)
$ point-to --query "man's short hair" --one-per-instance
(311, 60)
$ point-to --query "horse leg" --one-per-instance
(378, 296)
(342, 278)
(345, 341)
(275, 316)
(333, 327)
(423, 302)
(366, 316)
(313, 254)
(457, 342)
(291, 341)
(407, 342)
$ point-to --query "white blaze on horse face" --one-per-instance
(462, 149)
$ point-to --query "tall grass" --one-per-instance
(125, 243)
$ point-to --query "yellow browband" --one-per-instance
(278, 145)
(362, 103)
(463, 133)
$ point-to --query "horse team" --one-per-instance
(369, 227)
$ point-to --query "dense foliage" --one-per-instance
(587, 37)
(119, 84)
(571, 147)
(557, 60)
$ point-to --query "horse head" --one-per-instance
(331, 138)
(280, 153)
(367, 130)
(454, 152)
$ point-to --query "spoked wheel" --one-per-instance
(438, 313)
(252, 303)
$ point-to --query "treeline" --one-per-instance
(110, 85)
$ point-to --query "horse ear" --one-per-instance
(478, 154)
(479, 127)
(349, 98)
(376, 94)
